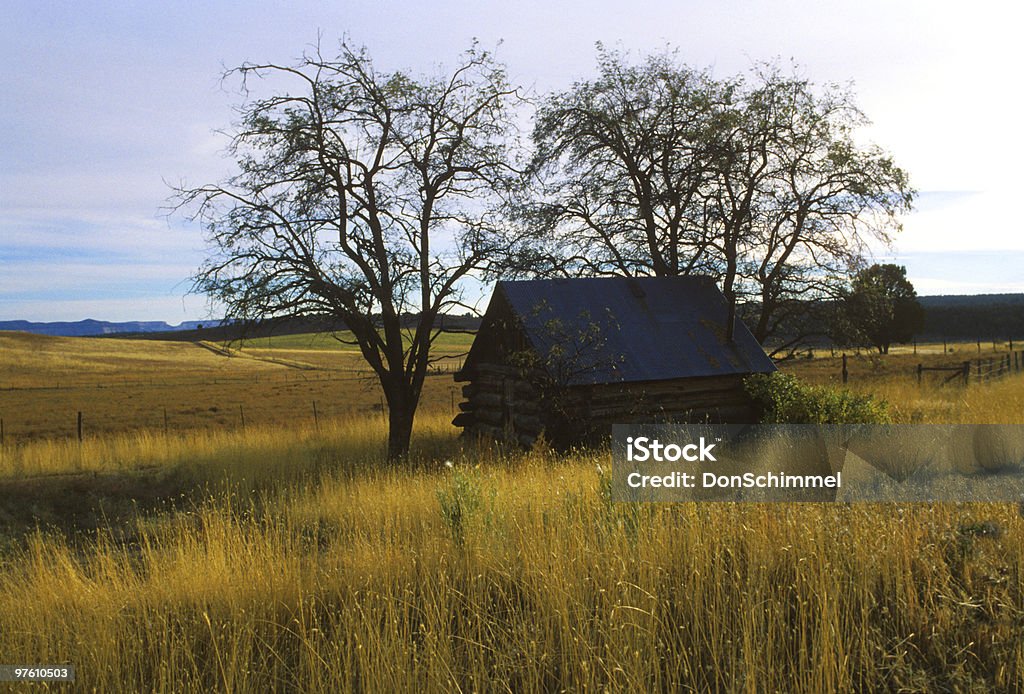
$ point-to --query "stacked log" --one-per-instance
(501, 402)
(505, 403)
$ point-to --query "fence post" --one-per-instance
(165, 422)
(316, 417)
(79, 427)
(1, 431)
(920, 371)
(846, 374)
(241, 412)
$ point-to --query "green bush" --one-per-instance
(785, 399)
(465, 501)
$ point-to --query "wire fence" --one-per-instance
(329, 391)
(976, 370)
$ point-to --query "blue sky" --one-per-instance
(103, 103)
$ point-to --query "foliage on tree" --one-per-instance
(659, 169)
(880, 308)
(364, 195)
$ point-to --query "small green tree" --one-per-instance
(880, 308)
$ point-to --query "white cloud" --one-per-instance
(988, 220)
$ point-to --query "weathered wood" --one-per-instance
(489, 416)
(505, 404)
(632, 401)
(487, 400)
(497, 398)
(465, 419)
(519, 421)
(527, 423)
(497, 433)
(506, 371)
(525, 406)
(521, 389)
(622, 396)
(652, 408)
(726, 415)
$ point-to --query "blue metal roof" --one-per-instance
(617, 329)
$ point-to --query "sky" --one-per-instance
(104, 104)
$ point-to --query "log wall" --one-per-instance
(509, 404)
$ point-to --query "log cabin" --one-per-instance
(567, 358)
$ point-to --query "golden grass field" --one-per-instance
(282, 556)
(124, 385)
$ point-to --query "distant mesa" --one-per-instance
(213, 330)
(92, 328)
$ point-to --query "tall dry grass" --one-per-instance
(365, 583)
(254, 453)
(316, 567)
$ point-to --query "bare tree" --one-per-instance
(624, 159)
(820, 200)
(366, 196)
(756, 180)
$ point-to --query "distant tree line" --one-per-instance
(865, 317)
(992, 317)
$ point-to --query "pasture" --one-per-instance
(129, 385)
(285, 555)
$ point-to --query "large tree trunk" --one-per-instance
(400, 417)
